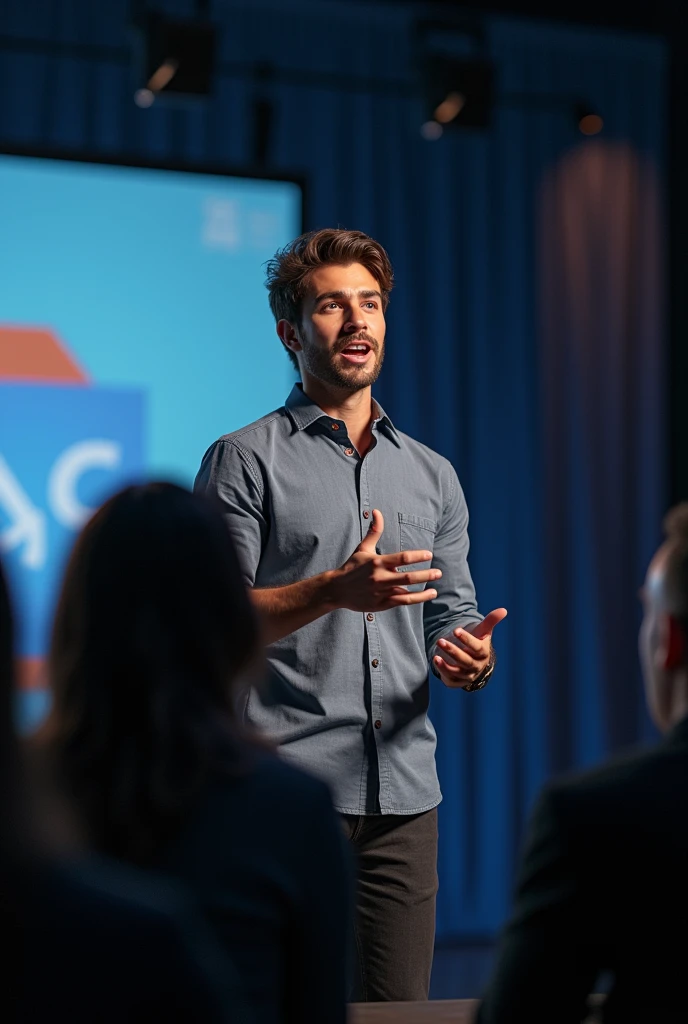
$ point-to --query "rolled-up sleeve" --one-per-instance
(229, 474)
(455, 604)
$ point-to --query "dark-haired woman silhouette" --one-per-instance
(153, 641)
(86, 940)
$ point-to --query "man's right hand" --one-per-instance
(371, 582)
(367, 582)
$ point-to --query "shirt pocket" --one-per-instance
(416, 532)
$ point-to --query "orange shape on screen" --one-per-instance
(36, 354)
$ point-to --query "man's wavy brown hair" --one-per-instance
(289, 270)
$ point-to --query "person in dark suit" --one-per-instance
(603, 884)
(154, 642)
(83, 940)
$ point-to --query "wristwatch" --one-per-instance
(482, 679)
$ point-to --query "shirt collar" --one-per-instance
(304, 412)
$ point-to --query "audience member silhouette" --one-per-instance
(85, 941)
(603, 884)
(154, 639)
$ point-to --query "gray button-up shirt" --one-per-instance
(347, 695)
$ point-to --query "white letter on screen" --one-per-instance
(27, 528)
(72, 464)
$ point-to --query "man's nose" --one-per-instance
(356, 321)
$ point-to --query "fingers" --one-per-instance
(403, 597)
(369, 542)
(470, 642)
(405, 579)
(457, 656)
(451, 675)
(405, 558)
(378, 523)
(485, 627)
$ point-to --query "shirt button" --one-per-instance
(366, 515)
(378, 723)
(375, 663)
(348, 451)
(335, 426)
(370, 616)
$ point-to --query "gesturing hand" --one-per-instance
(369, 582)
(461, 665)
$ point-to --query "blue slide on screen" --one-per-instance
(134, 330)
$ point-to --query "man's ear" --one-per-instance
(288, 335)
(672, 641)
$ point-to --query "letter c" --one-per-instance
(66, 472)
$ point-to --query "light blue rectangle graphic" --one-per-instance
(63, 450)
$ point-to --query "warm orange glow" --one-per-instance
(450, 107)
(31, 673)
(163, 76)
(591, 124)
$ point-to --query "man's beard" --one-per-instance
(322, 366)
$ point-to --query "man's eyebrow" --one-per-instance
(363, 293)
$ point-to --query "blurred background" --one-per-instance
(523, 167)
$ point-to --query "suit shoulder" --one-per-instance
(623, 785)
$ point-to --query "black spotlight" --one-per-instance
(458, 93)
(176, 58)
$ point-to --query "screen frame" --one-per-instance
(31, 680)
(219, 170)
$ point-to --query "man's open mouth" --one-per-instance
(357, 352)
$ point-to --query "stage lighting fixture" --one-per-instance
(263, 117)
(177, 58)
(588, 120)
(459, 93)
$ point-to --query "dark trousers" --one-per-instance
(395, 914)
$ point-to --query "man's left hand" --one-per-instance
(461, 663)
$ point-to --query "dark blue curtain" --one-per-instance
(526, 339)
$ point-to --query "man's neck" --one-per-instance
(354, 407)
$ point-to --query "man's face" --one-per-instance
(342, 328)
(653, 640)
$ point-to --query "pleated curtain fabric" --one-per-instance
(526, 333)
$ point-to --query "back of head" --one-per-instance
(138, 946)
(676, 582)
(663, 640)
(152, 630)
